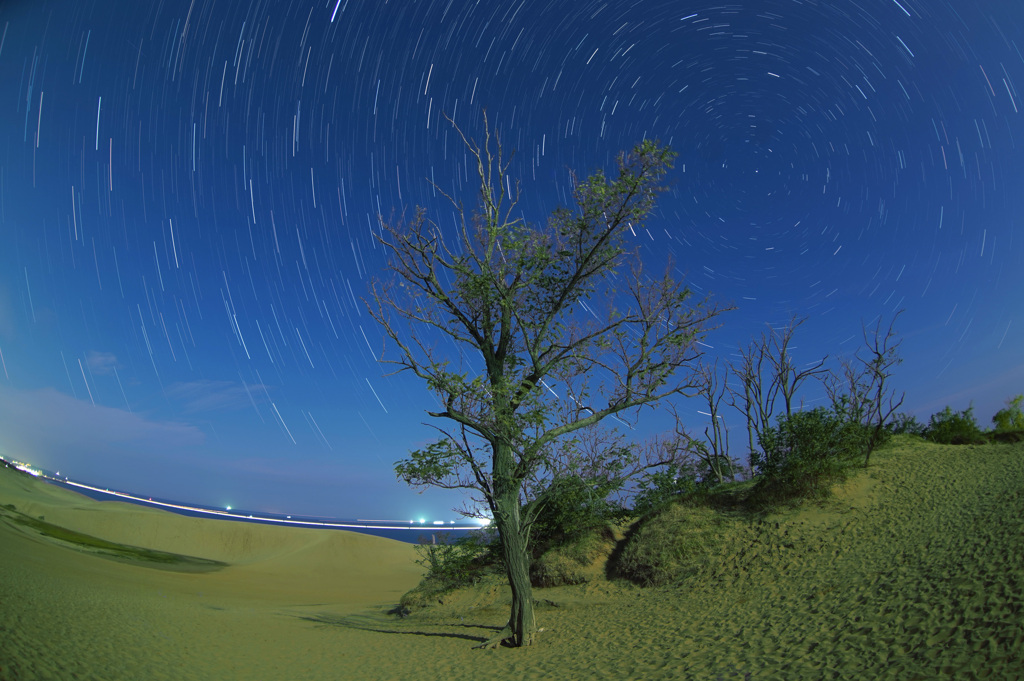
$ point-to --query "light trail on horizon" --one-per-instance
(362, 524)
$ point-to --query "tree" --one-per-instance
(548, 331)
(862, 393)
(785, 373)
(711, 452)
(765, 371)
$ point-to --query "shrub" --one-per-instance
(806, 453)
(948, 427)
(571, 507)
(660, 487)
(1011, 418)
(906, 424)
(453, 563)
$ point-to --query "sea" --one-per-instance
(405, 531)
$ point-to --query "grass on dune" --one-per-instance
(689, 536)
(108, 549)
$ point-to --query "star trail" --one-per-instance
(190, 189)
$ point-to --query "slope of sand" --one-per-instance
(914, 571)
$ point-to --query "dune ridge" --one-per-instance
(912, 571)
(229, 541)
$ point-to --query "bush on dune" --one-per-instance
(1010, 419)
(573, 507)
(948, 427)
(660, 488)
(1009, 422)
(451, 564)
(572, 531)
(805, 454)
(906, 424)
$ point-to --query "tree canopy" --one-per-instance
(527, 334)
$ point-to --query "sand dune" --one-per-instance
(230, 541)
(914, 571)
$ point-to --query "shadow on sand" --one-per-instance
(381, 625)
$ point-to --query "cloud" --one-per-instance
(46, 425)
(207, 396)
(101, 363)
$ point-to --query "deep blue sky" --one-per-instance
(189, 189)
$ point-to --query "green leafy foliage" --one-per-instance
(452, 563)
(949, 427)
(906, 424)
(661, 487)
(1011, 418)
(806, 453)
(573, 506)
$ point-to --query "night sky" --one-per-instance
(189, 191)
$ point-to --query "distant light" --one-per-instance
(422, 520)
(229, 508)
(26, 468)
(439, 522)
(484, 521)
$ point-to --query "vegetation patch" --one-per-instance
(671, 545)
(578, 561)
(112, 550)
(806, 454)
(949, 427)
(451, 564)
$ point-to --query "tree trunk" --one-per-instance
(521, 629)
(751, 425)
(517, 561)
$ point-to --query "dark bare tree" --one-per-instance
(765, 372)
(526, 335)
(753, 394)
(861, 391)
(712, 451)
(785, 373)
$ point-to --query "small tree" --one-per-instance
(785, 373)
(585, 482)
(549, 331)
(754, 396)
(711, 452)
(862, 393)
(765, 371)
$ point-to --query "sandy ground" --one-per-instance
(914, 571)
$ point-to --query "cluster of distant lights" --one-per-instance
(369, 524)
(24, 467)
